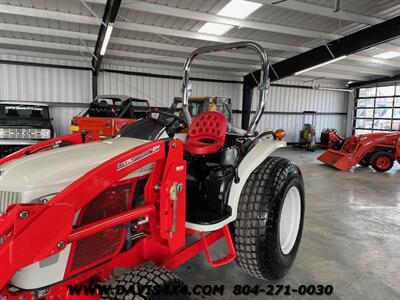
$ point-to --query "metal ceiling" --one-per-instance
(165, 31)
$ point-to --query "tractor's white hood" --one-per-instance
(53, 170)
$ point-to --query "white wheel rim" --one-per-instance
(289, 223)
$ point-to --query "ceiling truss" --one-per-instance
(245, 61)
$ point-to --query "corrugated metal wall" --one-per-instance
(32, 83)
(296, 100)
(281, 99)
(43, 84)
(162, 91)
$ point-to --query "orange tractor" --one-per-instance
(379, 150)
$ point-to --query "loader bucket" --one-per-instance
(336, 159)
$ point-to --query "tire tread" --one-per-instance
(144, 275)
(253, 219)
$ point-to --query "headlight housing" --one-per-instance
(45, 133)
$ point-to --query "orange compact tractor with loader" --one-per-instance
(379, 150)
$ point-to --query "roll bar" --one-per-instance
(263, 85)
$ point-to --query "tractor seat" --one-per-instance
(206, 134)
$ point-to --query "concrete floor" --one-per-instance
(351, 236)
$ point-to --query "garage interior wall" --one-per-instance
(50, 85)
(286, 104)
(161, 91)
(66, 90)
(283, 109)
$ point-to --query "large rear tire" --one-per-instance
(381, 161)
(269, 224)
(159, 279)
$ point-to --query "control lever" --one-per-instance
(236, 171)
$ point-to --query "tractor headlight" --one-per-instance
(1, 132)
(45, 133)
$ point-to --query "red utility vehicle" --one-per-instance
(147, 201)
(379, 150)
(107, 114)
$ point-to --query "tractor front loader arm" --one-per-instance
(30, 237)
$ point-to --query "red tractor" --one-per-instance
(379, 150)
(76, 208)
(331, 139)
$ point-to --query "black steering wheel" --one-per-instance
(172, 126)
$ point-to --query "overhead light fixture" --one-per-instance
(320, 65)
(387, 55)
(214, 28)
(106, 39)
(239, 9)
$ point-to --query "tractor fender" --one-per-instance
(264, 147)
(249, 163)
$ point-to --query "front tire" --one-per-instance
(160, 279)
(268, 228)
(365, 161)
